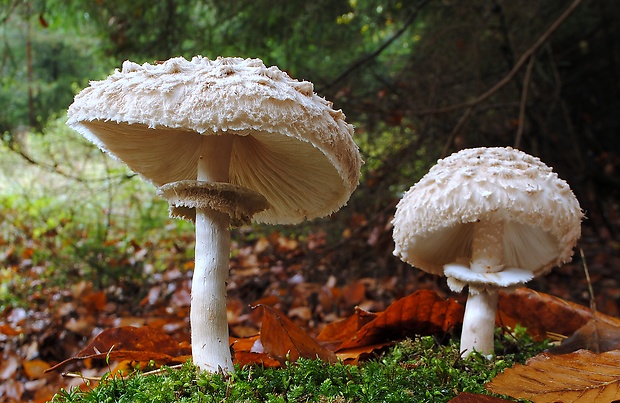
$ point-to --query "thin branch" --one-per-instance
(590, 289)
(570, 127)
(526, 85)
(522, 60)
(369, 57)
(56, 170)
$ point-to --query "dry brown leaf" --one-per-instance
(420, 313)
(9, 366)
(596, 335)
(8, 330)
(355, 292)
(249, 351)
(542, 314)
(352, 356)
(94, 301)
(140, 344)
(577, 377)
(346, 328)
(284, 341)
(35, 368)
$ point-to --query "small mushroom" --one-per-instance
(487, 218)
(226, 141)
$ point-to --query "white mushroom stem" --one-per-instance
(209, 324)
(479, 319)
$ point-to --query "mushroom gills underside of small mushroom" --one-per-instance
(453, 245)
(459, 276)
(238, 202)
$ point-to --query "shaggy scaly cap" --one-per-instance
(290, 145)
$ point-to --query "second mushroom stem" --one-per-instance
(208, 320)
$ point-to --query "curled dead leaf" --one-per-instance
(420, 313)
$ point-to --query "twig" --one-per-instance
(157, 371)
(570, 127)
(367, 58)
(590, 289)
(56, 170)
(515, 69)
(526, 85)
(160, 371)
(595, 334)
(79, 375)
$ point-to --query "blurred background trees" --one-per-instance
(418, 78)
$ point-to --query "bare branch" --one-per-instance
(369, 57)
(57, 170)
(522, 60)
(526, 84)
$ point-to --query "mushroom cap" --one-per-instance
(290, 145)
(434, 220)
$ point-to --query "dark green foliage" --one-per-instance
(419, 370)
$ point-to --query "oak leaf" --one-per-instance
(577, 377)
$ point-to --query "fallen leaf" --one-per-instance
(11, 390)
(249, 351)
(95, 300)
(285, 342)
(35, 368)
(82, 326)
(544, 315)
(577, 377)
(248, 358)
(352, 356)
(9, 366)
(346, 328)
(355, 292)
(140, 344)
(420, 313)
(9, 331)
(596, 335)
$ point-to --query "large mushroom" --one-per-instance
(226, 141)
(487, 218)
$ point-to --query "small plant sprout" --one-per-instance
(227, 142)
(487, 218)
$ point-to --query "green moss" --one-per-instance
(419, 370)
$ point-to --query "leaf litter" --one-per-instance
(293, 279)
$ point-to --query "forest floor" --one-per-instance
(313, 280)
